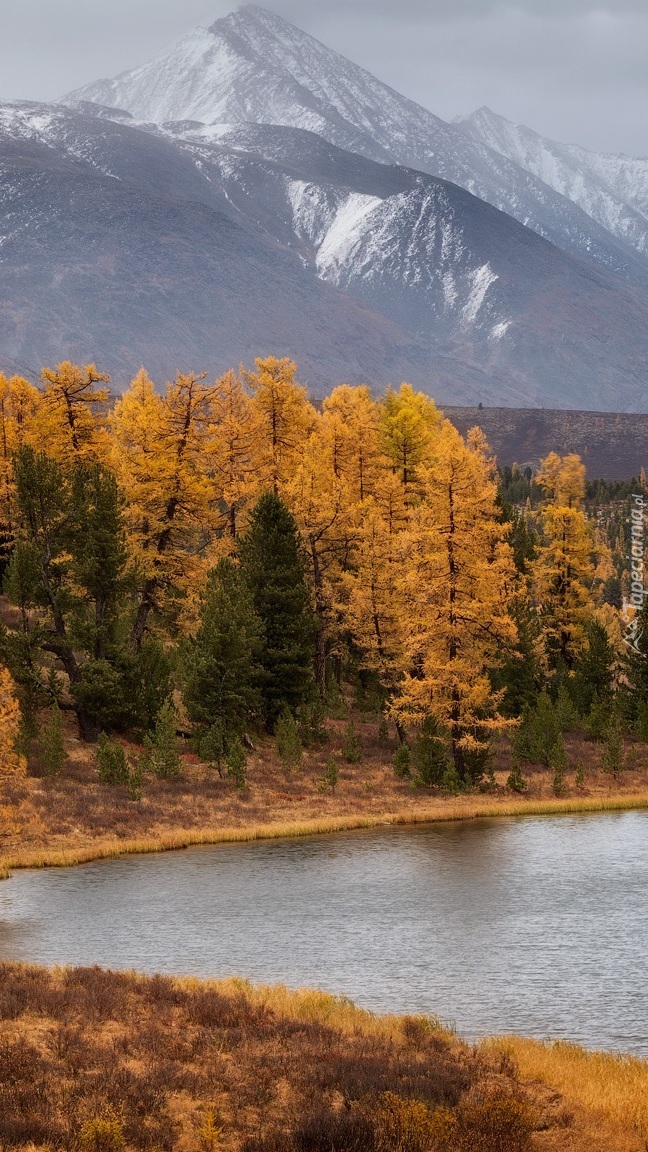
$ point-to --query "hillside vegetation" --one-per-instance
(104, 1062)
(278, 612)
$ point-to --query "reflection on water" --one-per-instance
(535, 926)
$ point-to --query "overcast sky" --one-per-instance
(572, 69)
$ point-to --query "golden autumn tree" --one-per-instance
(70, 421)
(350, 427)
(161, 455)
(370, 599)
(12, 763)
(19, 401)
(318, 499)
(283, 418)
(564, 568)
(231, 450)
(409, 426)
(457, 579)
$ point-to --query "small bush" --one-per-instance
(383, 730)
(493, 1123)
(579, 780)
(104, 1134)
(351, 748)
(289, 743)
(516, 781)
(54, 754)
(112, 762)
(236, 760)
(402, 761)
(612, 759)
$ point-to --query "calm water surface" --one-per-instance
(534, 926)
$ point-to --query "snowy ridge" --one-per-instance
(613, 190)
(254, 67)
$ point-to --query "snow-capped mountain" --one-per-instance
(613, 190)
(253, 66)
(192, 246)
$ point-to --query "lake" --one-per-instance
(537, 926)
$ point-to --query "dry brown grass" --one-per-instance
(98, 1061)
(612, 1089)
(74, 819)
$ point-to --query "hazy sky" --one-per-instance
(573, 69)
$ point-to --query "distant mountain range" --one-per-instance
(253, 192)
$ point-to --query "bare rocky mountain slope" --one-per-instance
(254, 66)
(194, 247)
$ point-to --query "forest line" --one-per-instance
(225, 556)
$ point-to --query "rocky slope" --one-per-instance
(194, 247)
(254, 66)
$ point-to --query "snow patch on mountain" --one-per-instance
(350, 230)
(612, 190)
(254, 67)
(482, 278)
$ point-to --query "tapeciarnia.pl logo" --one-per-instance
(633, 630)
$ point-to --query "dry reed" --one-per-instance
(469, 808)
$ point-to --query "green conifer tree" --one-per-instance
(236, 760)
(112, 762)
(220, 665)
(53, 743)
(612, 758)
(331, 777)
(162, 751)
(274, 570)
(351, 747)
(594, 670)
(516, 781)
(289, 743)
(402, 761)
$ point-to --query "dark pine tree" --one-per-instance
(220, 665)
(594, 670)
(274, 570)
(634, 678)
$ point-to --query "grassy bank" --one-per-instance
(195, 1066)
(612, 1088)
(442, 811)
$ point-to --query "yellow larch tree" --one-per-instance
(161, 459)
(457, 580)
(12, 763)
(409, 426)
(19, 401)
(231, 446)
(70, 420)
(563, 571)
(283, 419)
(318, 499)
(350, 426)
(370, 599)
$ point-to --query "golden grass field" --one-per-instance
(108, 1062)
(586, 1101)
(73, 819)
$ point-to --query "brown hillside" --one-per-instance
(614, 445)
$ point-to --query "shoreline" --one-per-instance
(443, 812)
(584, 1100)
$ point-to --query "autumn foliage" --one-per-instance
(113, 518)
